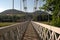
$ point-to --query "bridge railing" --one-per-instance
(46, 32)
(13, 32)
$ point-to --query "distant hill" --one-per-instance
(38, 12)
(12, 11)
(41, 12)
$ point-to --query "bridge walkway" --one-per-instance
(30, 33)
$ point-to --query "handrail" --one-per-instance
(13, 32)
(47, 32)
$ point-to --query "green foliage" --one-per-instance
(5, 23)
(54, 6)
(35, 18)
(56, 21)
(10, 18)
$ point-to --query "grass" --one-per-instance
(48, 23)
(45, 22)
(2, 24)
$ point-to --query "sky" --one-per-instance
(18, 4)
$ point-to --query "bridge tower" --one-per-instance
(20, 4)
(25, 5)
(12, 4)
(35, 4)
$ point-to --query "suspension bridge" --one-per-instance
(29, 30)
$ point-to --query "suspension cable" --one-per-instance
(12, 9)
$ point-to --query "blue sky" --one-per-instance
(7, 4)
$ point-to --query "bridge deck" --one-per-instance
(30, 34)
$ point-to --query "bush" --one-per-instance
(9, 18)
(56, 21)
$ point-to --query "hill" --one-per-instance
(12, 11)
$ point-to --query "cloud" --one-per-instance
(2, 9)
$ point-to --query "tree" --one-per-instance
(54, 7)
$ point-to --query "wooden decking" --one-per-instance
(30, 34)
